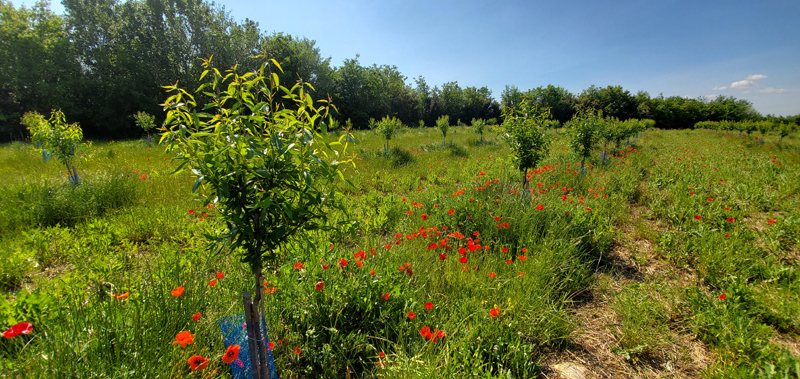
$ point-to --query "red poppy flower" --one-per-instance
(723, 296)
(520, 274)
(508, 261)
(698, 217)
(539, 207)
(588, 208)
(411, 315)
(319, 285)
(388, 246)
(409, 213)
(522, 257)
(494, 312)
(524, 250)
(359, 263)
(212, 283)
(505, 250)
(183, 338)
(463, 259)
(497, 218)
(220, 275)
(20, 328)
(386, 296)
(428, 305)
(731, 220)
(342, 262)
(492, 274)
(505, 225)
(372, 272)
(409, 272)
(191, 211)
(425, 331)
(442, 256)
(424, 217)
(450, 212)
(298, 266)
(197, 363)
(271, 345)
(297, 350)
(122, 296)
(231, 354)
(196, 316)
(177, 291)
(382, 354)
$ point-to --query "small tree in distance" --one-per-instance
(443, 123)
(524, 132)
(585, 132)
(388, 127)
(265, 167)
(57, 137)
(146, 122)
(479, 126)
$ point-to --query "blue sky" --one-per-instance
(746, 49)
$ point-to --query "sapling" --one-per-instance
(146, 122)
(443, 123)
(265, 167)
(584, 128)
(56, 137)
(479, 126)
(523, 126)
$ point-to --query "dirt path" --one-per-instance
(594, 352)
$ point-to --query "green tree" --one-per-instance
(479, 126)
(265, 166)
(585, 130)
(523, 124)
(443, 123)
(57, 137)
(387, 127)
(38, 66)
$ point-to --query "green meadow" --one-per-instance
(676, 257)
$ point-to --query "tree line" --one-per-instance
(106, 60)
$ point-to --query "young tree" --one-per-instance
(524, 132)
(146, 122)
(444, 124)
(479, 126)
(388, 127)
(265, 167)
(57, 137)
(584, 126)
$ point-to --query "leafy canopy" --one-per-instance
(266, 167)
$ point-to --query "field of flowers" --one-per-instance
(449, 267)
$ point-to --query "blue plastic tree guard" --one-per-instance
(234, 332)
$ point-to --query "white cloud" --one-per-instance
(772, 90)
(743, 84)
(710, 97)
(720, 88)
(748, 82)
